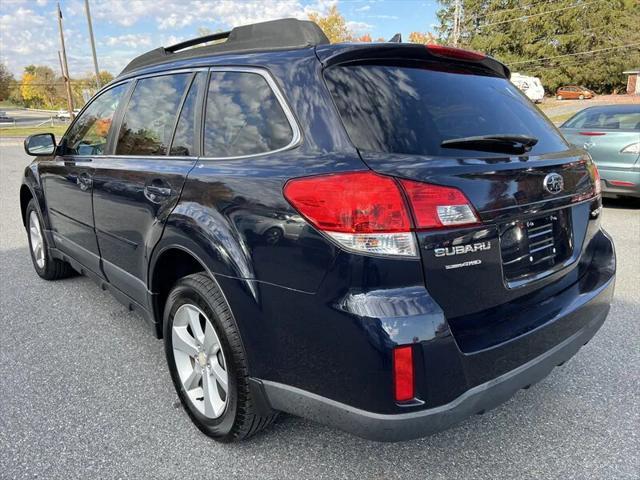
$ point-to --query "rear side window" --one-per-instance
(243, 116)
(412, 110)
(150, 117)
(610, 119)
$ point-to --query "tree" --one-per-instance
(366, 38)
(547, 40)
(38, 87)
(333, 25)
(423, 38)
(6, 82)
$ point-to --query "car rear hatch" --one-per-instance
(611, 134)
(531, 202)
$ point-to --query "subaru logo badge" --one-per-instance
(553, 183)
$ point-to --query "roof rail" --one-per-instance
(286, 33)
(197, 41)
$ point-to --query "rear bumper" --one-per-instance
(631, 175)
(405, 426)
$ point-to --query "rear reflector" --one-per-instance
(403, 373)
(621, 183)
(457, 53)
(592, 134)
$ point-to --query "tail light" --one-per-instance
(403, 381)
(597, 182)
(457, 53)
(633, 148)
(376, 214)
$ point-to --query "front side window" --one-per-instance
(243, 116)
(88, 135)
(148, 122)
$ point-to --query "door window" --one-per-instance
(184, 138)
(150, 117)
(88, 135)
(243, 116)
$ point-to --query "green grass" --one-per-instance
(57, 130)
(561, 118)
(7, 104)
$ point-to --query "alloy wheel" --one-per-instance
(200, 361)
(37, 241)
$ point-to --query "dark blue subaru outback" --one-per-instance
(386, 238)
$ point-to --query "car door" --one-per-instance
(136, 187)
(67, 179)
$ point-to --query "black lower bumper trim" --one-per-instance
(406, 426)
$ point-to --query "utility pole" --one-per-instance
(456, 23)
(65, 66)
(93, 43)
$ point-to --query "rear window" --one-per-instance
(609, 119)
(412, 110)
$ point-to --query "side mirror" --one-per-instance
(41, 144)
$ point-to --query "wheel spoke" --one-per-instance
(220, 375)
(213, 404)
(210, 344)
(184, 342)
(194, 322)
(192, 380)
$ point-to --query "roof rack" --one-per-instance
(286, 33)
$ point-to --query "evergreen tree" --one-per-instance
(521, 33)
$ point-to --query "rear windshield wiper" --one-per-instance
(493, 143)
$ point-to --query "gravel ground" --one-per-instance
(84, 393)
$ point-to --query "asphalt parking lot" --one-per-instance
(84, 393)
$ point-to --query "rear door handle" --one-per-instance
(157, 191)
(84, 181)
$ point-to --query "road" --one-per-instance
(23, 118)
(85, 394)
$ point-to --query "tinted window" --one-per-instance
(88, 135)
(411, 110)
(243, 116)
(184, 138)
(151, 114)
(609, 119)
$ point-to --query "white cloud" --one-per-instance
(359, 27)
(128, 40)
(125, 28)
(364, 8)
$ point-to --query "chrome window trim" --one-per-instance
(296, 137)
(295, 128)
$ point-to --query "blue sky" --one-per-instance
(125, 28)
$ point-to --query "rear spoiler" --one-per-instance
(356, 52)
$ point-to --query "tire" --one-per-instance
(45, 265)
(239, 418)
(273, 235)
(581, 97)
(559, 97)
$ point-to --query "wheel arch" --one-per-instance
(26, 195)
(171, 263)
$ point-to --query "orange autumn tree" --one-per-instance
(422, 38)
(333, 25)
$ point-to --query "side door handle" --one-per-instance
(84, 180)
(157, 191)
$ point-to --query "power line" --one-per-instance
(519, 7)
(526, 17)
(575, 54)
